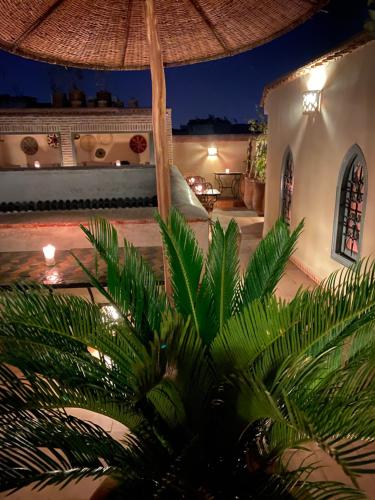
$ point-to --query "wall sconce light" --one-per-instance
(37, 164)
(311, 101)
(49, 255)
(212, 151)
(118, 163)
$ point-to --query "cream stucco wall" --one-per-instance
(67, 122)
(116, 147)
(11, 153)
(319, 144)
(190, 154)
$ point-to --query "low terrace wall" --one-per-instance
(22, 189)
(26, 231)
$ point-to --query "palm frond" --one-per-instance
(266, 333)
(30, 391)
(131, 285)
(268, 262)
(297, 483)
(74, 370)
(45, 318)
(326, 490)
(55, 448)
(167, 401)
(340, 428)
(221, 280)
(185, 263)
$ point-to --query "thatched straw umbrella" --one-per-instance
(137, 34)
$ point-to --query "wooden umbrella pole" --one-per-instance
(159, 110)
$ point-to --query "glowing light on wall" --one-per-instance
(317, 78)
(212, 151)
(311, 101)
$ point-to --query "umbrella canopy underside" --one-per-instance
(111, 34)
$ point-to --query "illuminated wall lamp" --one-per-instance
(212, 151)
(311, 102)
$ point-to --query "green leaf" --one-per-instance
(47, 448)
(185, 264)
(221, 280)
(268, 262)
(131, 285)
(166, 399)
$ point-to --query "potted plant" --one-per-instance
(256, 127)
(248, 188)
(259, 172)
(214, 383)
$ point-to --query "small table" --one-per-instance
(235, 183)
(16, 267)
(208, 198)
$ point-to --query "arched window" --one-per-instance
(350, 206)
(287, 181)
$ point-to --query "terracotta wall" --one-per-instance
(190, 154)
(319, 144)
(11, 153)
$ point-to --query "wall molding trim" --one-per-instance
(306, 270)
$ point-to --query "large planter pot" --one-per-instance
(248, 192)
(258, 197)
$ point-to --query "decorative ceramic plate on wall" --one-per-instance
(138, 144)
(29, 145)
(53, 140)
(105, 139)
(87, 142)
(100, 153)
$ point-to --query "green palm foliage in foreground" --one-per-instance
(219, 386)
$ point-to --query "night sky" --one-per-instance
(230, 87)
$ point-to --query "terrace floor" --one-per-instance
(251, 232)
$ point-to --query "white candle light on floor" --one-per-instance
(118, 163)
(49, 255)
(37, 164)
(227, 170)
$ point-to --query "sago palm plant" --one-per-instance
(218, 385)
